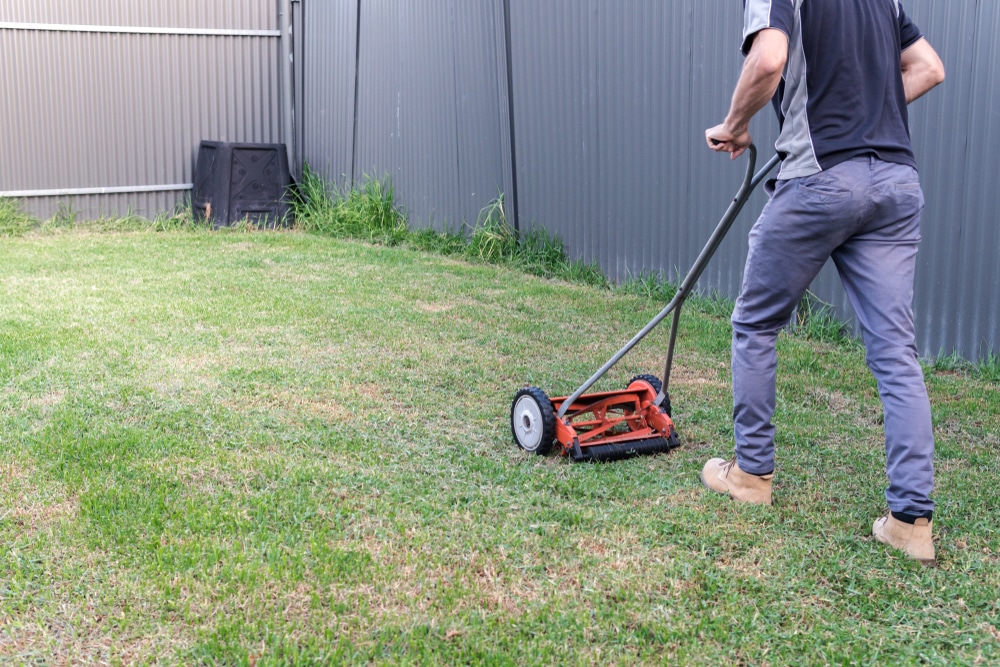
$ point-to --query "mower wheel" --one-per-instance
(657, 386)
(533, 421)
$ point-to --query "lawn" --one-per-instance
(280, 448)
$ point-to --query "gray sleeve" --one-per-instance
(761, 14)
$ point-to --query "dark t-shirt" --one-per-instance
(841, 95)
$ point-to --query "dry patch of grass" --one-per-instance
(32, 507)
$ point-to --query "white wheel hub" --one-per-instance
(528, 423)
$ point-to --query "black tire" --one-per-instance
(657, 387)
(651, 379)
(533, 421)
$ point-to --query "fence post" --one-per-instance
(287, 90)
(510, 117)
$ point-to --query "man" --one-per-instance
(840, 73)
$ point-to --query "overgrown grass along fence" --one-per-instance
(369, 213)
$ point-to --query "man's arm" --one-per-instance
(760, 77)
(922, 69)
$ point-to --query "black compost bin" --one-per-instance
(234, 182)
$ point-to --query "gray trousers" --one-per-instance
(865, 214)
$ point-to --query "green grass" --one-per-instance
(368, 212)
(13, 220)
(816, 320)
(989, 367)
(282, 448)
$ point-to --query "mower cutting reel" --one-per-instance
(613, 425)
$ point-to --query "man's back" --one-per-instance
(842, 93)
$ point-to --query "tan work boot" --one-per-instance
(913, 540)
(726, 477)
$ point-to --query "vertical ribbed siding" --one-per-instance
(432, 105)
(482, 134)
(329, 66)
(611, 102)
(553, 110)
(969, 237)
(86, 109)
(983, 193)
(407, 124)
(298, 105)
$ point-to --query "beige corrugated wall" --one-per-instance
(105, 101)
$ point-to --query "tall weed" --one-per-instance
(534, 251)
(447, 242)
(66, 216)
(989, 367)
(649, 285)
(816, 320)
(949, 363)
(493, 240)
(13, 220)
(367, 213)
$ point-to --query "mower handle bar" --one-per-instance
(750, 182)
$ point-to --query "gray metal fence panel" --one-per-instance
(219, 14)
(611, 104)
(430, 108)
(329, 66)
(977, 232)
(406, 119)
(298, 66)
(482, 122)
(117, 95)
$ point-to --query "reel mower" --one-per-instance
(635, 421)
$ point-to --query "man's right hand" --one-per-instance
(723, 140)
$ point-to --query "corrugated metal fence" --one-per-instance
(586, 114)
(105, 101)
(412, 89)
(608, 102)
